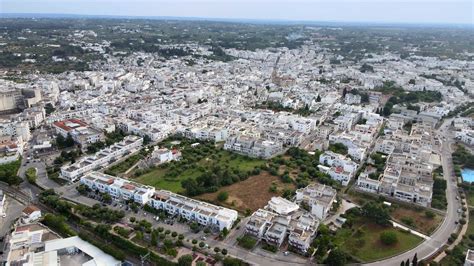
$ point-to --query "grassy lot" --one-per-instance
(470, 198)
(419, 219)
(123, 166)
(364, 242)
(158, 177)
(252, 193)
(412, 216)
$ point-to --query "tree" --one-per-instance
(31, 175)
(185, 260)
(223, 196)
(224, 251)
(415, 260)
(407, 263)
(318, 99)
(402, 263)
(69, 140)
(336, 258)
(388, 237)
(376, 213)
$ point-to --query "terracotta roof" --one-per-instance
(30, 209)
(62, 124)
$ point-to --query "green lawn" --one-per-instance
(157, 177)
(470, 198)
(365, 244)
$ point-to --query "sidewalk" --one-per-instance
(397, 225)
(458, 240)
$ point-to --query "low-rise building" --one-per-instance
(80, 132)
(30, 214)
(101, 158)
(120, 189)
(318, 197)
(251, 147)
(338, 166)
(34, 244)
(193, 210)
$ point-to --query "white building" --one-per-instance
(31, 214)
(118, 188)
(101, 158)
(193, 210)
(174, 204)
(318, 197)
(340, 168)
(281, 206)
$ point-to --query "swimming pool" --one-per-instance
(467, 175)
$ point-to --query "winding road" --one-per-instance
(440, 237)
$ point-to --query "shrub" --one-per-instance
(217, 249)
(201, 244)
(388, 237)
(222, 196)
(194, 241)
(430, 214)
(408, 221)
(247, 242)
(224, 251)
(174, 234)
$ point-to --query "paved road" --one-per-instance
(440, 237)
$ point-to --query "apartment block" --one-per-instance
(174, 204)
(252, 147)
(101, 158)
(340, 167)
(318, 197)
(118, 188)
(193, 210)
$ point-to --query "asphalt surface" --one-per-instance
(440, 237)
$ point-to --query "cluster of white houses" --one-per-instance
(201, 212)
(408, 170)
(253, 147)
(338, 166)
(101, 158)
(282, 218)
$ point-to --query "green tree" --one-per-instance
(389, 237)
(223, 196)
(336, 258)
(376, 213)
(185, 260)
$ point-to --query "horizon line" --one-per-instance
(239, 20)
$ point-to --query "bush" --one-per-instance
(217, 249)
(185, 260)
(224, 251)
(31, 175)
(388, 237)
(247, 242)
(429, 214)
(201, 244)
(408, 221)
(174, 234)
(222, 196)
(194, 241)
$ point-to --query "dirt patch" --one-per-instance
(420, 221)
(252, 193)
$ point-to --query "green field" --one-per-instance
(159, 177)
(364, 243)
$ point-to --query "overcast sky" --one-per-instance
(398, 11)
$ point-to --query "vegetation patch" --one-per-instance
(8, 173)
